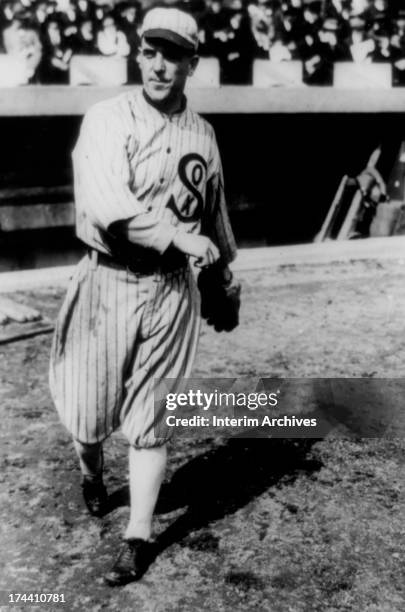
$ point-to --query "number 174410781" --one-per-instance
(14, 598)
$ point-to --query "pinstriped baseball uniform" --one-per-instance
(118, 329)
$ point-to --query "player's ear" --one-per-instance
(193, 65)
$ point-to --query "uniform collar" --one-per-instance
(148, 103)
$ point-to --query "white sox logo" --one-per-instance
(192, 172)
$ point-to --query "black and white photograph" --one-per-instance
(202, 305)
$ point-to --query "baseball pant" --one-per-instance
(116, 333)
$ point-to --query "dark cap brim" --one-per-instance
(170, 36)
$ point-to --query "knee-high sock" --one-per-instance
(146, 473)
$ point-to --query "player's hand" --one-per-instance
(200, 247)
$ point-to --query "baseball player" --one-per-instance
(149, 201)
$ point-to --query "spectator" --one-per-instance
(339, 10)
(398, 37)
(320, 32)
(110, 40)
(213, 22)
(100, 11)
(383, 50)
(312, 18)
(359, 7)
(379, 11)
(237, 51)
(263, 28)
(84, 42)
(296, 5)
(330, 51)
(310, 50)
(56, 54)
(128, 15)
(129, 21)
(22, 41)
(289, 33)
(334, 48)
(358, 41)
(8, 11)
(398, 69)
(41, 12)
(69, 21)
(84, 10)
(27, 5)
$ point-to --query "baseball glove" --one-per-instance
(220, 298)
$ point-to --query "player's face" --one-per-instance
(165, 68)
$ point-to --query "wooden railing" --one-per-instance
(33, 101)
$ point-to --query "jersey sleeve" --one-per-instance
(102, 177)
(216, 224)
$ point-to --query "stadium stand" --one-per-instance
(49, 34)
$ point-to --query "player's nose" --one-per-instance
(158, 63)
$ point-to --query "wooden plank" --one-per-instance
(350, 219)
(36, 216)
(28, 331)
(40, 100)
(18, 312)
(347, 226)
(327, 225)
(17, 195)
(23, 280)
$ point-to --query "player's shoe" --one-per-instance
(95, 496)
(132, 562)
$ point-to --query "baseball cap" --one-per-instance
(172, 25)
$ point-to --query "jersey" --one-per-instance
(119, 331)
(132, 161)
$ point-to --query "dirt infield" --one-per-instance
(267, 525)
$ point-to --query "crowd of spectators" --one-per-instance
(317, 32)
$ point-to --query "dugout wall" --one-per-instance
(283, 151)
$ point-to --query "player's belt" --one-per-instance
(143, 264)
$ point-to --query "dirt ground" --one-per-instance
(277, 525)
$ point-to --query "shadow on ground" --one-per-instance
(220, 481)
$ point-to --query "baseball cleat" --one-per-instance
(132, 562)
(95, 496)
